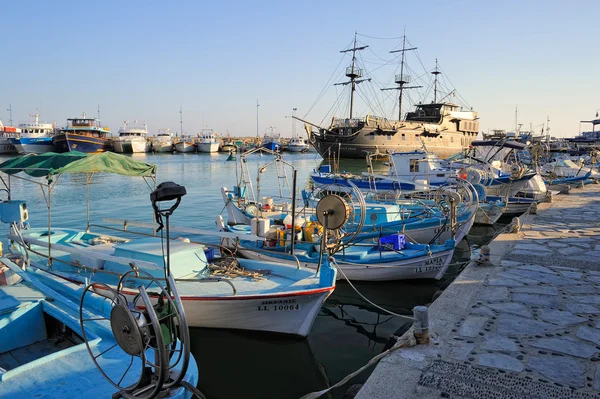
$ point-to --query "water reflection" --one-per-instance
(236, 364)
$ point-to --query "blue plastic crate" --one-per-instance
(395, 241)
(325, 169)
(210, 254)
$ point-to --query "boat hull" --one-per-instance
(208, 147)
(162, 147)
(368, 140)
(297, 148)
(425, 267)
(488, 215)
(185, 147)
(515, 206)
(7, 146)
(271, 146)
(65, 142)
(285, 314)
(34, 145)
(131, 146)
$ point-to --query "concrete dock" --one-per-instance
(528, 326)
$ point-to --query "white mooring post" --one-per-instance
(421, 324)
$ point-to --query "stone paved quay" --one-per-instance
(526, 327)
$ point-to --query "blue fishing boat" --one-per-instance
(422, 171)
(216, 292)
(363, 260)
(272, 141)
(83, 135)
(58, 340)
(35, 137)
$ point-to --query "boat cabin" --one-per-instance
(416, 163)
(86, 127)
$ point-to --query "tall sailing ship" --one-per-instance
(442, 126)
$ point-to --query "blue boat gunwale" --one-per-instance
(67, 317)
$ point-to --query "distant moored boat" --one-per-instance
(83, 135)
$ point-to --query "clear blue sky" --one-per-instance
(142, 60)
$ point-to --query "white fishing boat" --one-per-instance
(298, 144)
(367, 262)
(228, 145)
(35, 137)
(185, 145)
(133, 138)
(163, 141)
(207, 141)
(217, 293)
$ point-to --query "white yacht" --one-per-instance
(298, 144)
(163, 141)
(132, 138)
(35, 137)
(208, 141)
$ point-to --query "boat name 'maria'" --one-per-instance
(430, 265)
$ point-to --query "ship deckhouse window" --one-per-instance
(403, 136)
(414, 165)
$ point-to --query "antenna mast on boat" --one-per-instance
(181, 120)
(257, 105)
(435, 72)
(353, 73)
(402, 79)
(98, 111)
(36, 116)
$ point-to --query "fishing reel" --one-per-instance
(476, 174)
(536, 152)
(341, 211)
(455, 199)
(149, 326)
(516, 171)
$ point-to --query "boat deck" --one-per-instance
(192, 272)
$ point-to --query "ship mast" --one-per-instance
(353, 73)
(36, 116)
(435, 73)
(402, 79)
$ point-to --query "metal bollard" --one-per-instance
(421, 324)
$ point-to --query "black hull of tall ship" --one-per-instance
(66, 142)
(361, 143)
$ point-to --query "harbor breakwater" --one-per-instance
(525, 325)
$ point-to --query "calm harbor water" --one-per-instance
(235, 364)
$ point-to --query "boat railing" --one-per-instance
(346, 122)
